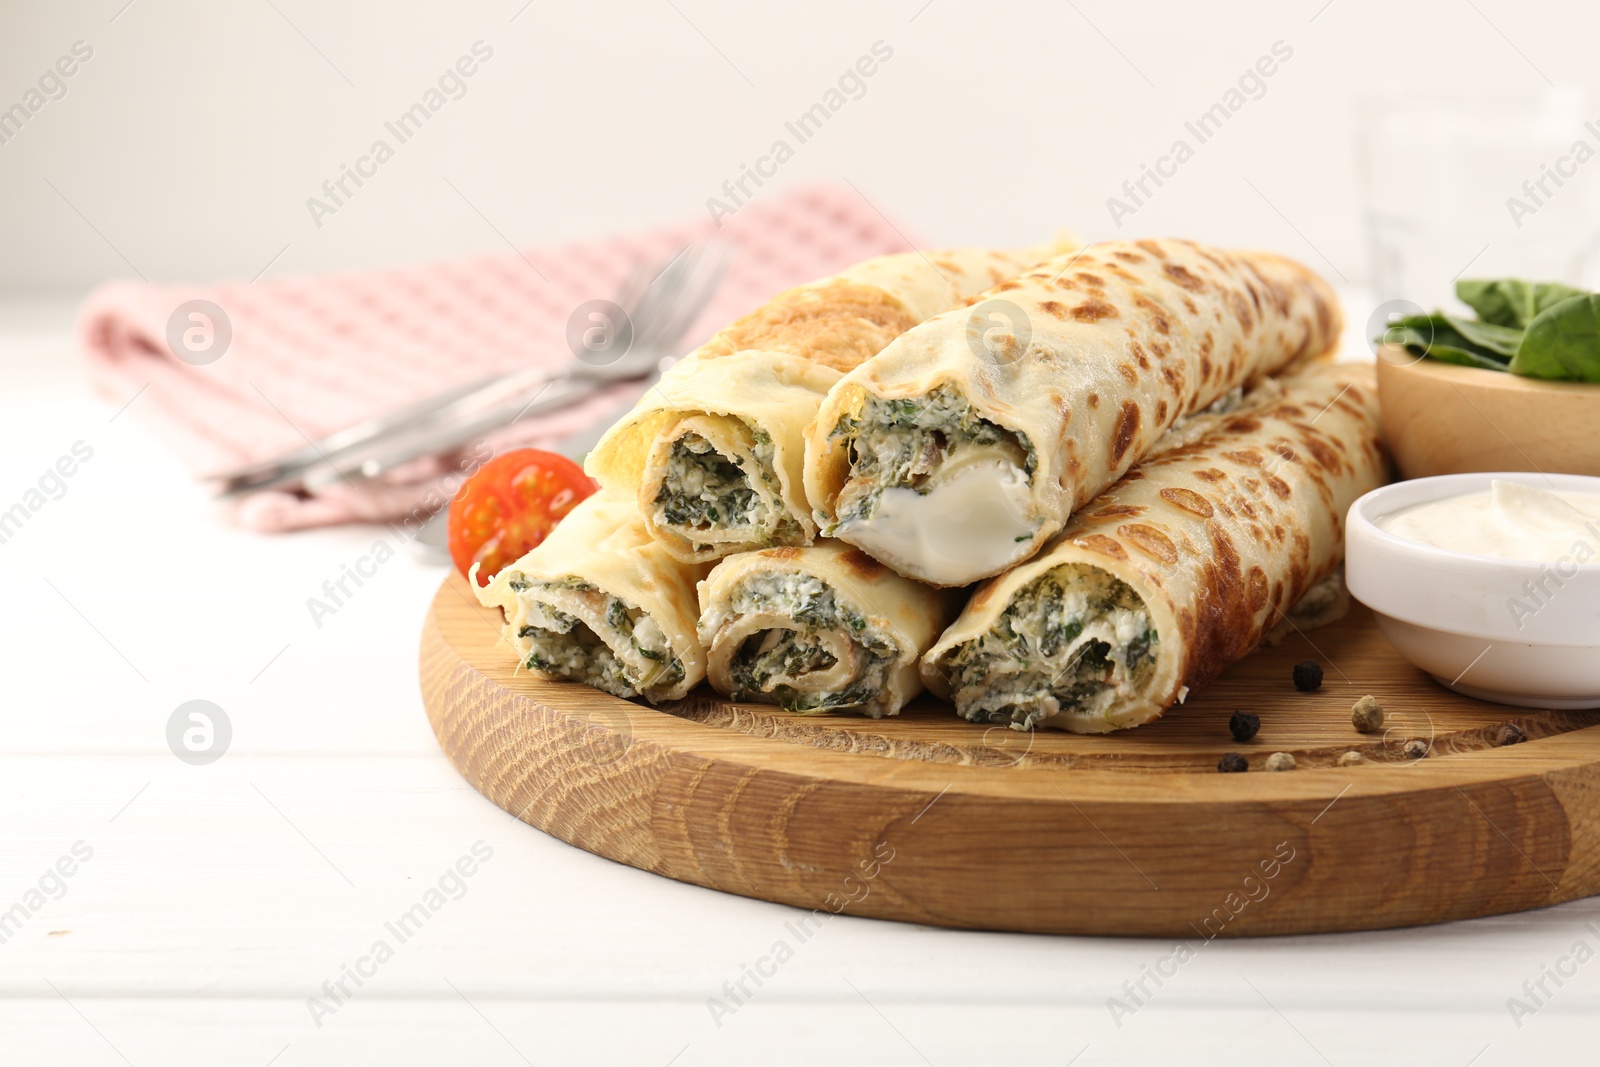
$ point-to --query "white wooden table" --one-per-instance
(219, 899)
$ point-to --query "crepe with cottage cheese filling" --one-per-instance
(714, 451)
(819, 628)
(600, 602)
(961, 448)
(1180, 569)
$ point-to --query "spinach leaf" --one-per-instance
(1501, 340)
(1511, 301)
(1437, 337)
(1562, 342)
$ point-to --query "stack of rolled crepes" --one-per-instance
(1135, 443)
(709, 465)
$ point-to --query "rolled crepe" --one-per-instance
(1183, 567)
(714, 451)
(817, 629)
(957, 451)
(600, 602)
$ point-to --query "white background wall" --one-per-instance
(194, 135)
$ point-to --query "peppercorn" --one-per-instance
(1280, 761)
(1350, 759)
(1510, 734)
(1233, 763)
(1416, 749)
(1367, 714)
(1308, 676)
(1243, 725)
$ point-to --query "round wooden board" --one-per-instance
(926, 818)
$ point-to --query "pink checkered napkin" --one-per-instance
(312, 355)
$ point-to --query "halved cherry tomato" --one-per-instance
(509, 505)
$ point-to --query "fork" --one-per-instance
(659, 301)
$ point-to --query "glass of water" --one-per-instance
(1479, 188)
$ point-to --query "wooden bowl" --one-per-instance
(1439, 418)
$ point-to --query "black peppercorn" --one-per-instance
(1232, 763)
(1510, 734)
(1243, 725)
(1308, 676)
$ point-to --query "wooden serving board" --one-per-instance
(926, 818)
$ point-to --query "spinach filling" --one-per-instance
(811, 605)
(1070, 642)
(629, 658)
(702, 489)
(901, 443)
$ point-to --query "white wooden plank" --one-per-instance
(845, 1029)
(231, 880)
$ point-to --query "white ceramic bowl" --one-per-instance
(1503, 630)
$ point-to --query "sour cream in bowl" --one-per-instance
(1489, 582)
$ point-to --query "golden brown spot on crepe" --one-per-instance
(1211, 474)
(1189, 306)
(1278, 532)
(1128, 373)
(1247, 457)
(1117, 511)
(1277, 592)
(1182, 277)
(1241, 311)
(1054, 309)
(1092, 279)
(1324, 314)
(1257, 583)
(840, 324)
(984, 594)
(783, 552)
(1123, 433)
(1161, 411)
(1102, 544)
(1277, 485)
(1128, 257)
(1297, 562)
(1094, 400)
(1225, 624)
(1174, 377)
(1093, 311)
(1149, 540)
(863, 565)
(1152, 247)
(1006, 287)
(1242, 424)
(1188, 500)
(1324, 456)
